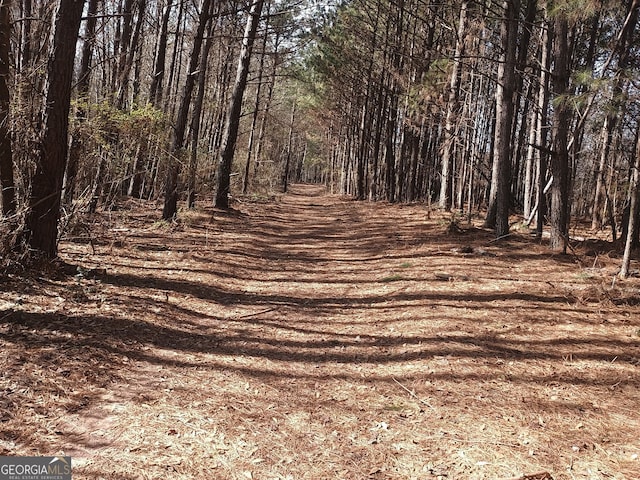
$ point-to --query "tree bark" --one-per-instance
(171, 186)
(504, 118)
(232, 123)
(196, 118)
(453, 107)
(84, 78)
(365, 124)
(287, 163)
(256, 108)
(124, 30)
(6, 155)
(129, 55)
(542, 128)
(155, 89)
(267, 104)
(633, 213)
(176, 58)
(46, 185)
(25, 60)
(611, 120)
(559, 214)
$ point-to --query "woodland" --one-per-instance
(321, 239)
(486, 107)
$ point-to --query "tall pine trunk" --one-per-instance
(618, 100)
(453, 107)
(257, 105)
(289, 152)
(500, 192)
(129, 55)
(155, 89)
(232, 123)
(6, 155)
(504, 116)
(196, 118)
(543, 129)
(173, 171)
(84, 78)
(46, 184)
(634, 195)
(559, 214)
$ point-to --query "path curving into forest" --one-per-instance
(318, 337)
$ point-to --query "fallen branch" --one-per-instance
(249, 315)
(420, 400)
(534, 476)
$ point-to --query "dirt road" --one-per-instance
(319, 338)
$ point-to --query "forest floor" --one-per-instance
(314, 337)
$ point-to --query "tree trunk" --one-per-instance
(155, 89)
(453, 107)
(178, 45)
(256, 109)
(390, 144)
(267, 105)
(500, 195)
(84, 78)
(634, 194)
(504, 150)
(121, 44)
(522, 99)
(171, 186)
(287, 163)
(6, 156)
(25, 60)
(501, 180)
(96, 187)
(611, 120)
(129, 56)
(46, 184)
(196, 117)
(365, 124)
(543, 129)
(607, 138)
(559, 214)
(232, 123)
(529, 165)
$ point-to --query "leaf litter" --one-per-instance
(316, 337)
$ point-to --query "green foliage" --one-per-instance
(574, 10)
(427, 96)
(107, 123)
(564, 101)
(109, 140)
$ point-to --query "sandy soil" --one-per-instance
(315, 337)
